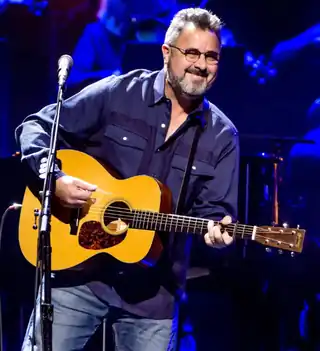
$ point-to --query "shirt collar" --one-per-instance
(201, 113)
(158, 88)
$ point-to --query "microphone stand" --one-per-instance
(44, 250)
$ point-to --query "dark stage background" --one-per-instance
(251, 300)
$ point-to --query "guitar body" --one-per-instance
(77, 235)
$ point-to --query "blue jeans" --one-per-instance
(78, 314)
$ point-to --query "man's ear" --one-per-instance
(165, 53)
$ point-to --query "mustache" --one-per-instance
(201, 73)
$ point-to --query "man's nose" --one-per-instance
(201, 63)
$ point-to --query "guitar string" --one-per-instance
(175, 222)
(245, 234)
(241, 233)
(141, 216)
(137, 213)
(121, 210)
(262, 237)
(246, 229)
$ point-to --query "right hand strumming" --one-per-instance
(73, 192)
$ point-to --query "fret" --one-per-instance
(137, 219)
(188, 226)
(143, 217)
(165, 223)
(140, 219)
(157, 221)
(234, 233)
(171, 216)
(149, 225)
(195, 226)
(162, 222)
(202, 223)
(133, 218)
(148, 214)
(243, 230)
(176, 226)
(154, 221)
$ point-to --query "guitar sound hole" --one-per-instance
(93, 237)
(117, 217)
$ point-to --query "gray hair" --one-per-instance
(201, 18)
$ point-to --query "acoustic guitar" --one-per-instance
(124, 221)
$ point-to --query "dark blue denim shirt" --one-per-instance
(123, 121)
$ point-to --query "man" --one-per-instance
(100, 49)
(143, 123)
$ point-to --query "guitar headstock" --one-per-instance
(282, 238)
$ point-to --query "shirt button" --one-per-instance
(194, 168)
(163, 125)
(124, 138)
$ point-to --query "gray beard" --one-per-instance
(181, 86)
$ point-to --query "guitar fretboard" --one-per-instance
(182, 224)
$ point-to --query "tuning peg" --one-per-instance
(298, 226)
(285, 225)
(280, 252)
(292, 254)
(268, 250)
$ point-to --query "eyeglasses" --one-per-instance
(193, 55)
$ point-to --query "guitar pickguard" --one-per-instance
(93, 237)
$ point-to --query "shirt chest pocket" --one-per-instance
(125, 149)
(199, 169)
(200, 173)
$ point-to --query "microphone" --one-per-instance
(64, 66)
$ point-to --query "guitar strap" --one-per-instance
(186, 176)
(200, 122)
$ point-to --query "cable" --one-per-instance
(12, 207)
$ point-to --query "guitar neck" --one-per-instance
(184, 224)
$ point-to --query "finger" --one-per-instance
(210, 225)
(211, 228)
(84, 185)
(227, 239)
(207, 240)
(80, 195)
(73, 203)
(217, 236)
(226, 220)
(79, 203)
